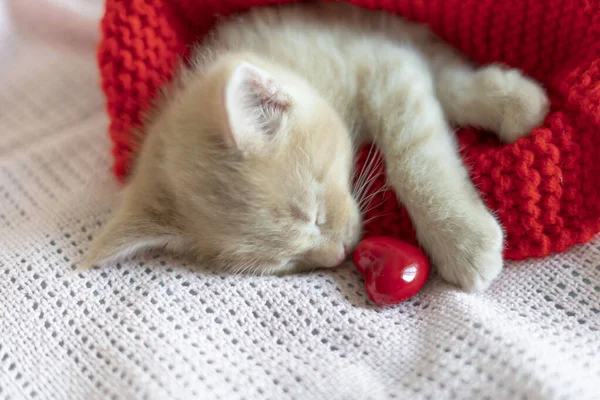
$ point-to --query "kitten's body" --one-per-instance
(240, 181)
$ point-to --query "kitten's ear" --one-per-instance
(127, 234)
(256, 107)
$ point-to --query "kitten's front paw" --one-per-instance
(521, 104)
(472, 258)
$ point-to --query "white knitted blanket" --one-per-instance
(156, 328)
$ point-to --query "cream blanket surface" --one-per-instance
(156, 328)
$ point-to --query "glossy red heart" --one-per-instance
(393, 270)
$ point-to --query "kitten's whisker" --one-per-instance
(244, 268)
(367, 200)
(369, 172)
(362, 199)
(252, 269)
(369, 175)
(370, 178)
(365, 171)
(375, 217)
(373, 207)
(240, 269)
(379, 192)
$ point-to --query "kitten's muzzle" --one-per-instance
(341, 252)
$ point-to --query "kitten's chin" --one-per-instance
(298, 267)
(288, 268)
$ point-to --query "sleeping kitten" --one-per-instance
(247, 160)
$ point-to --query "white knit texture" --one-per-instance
(156, 328)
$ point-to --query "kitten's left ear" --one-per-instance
(129, 233)
(256, 107)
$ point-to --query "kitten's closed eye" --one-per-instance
(318, 216)
(300, 214)
(313, 220)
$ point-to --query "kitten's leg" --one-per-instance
(492, 97)
(461, 236)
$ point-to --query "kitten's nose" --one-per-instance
(347, 250)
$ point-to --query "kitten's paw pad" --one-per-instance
(474, 260)
(522, 104)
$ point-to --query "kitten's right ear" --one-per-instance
(256, 107)
(127, 234)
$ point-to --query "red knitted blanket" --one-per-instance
(544, 188)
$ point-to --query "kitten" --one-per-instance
(247, 160)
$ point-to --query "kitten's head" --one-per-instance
(247, 168)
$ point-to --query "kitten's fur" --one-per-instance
(247, 161)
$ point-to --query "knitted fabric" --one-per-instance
(544, 188)
(154, 327)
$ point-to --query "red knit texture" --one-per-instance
(544, 188)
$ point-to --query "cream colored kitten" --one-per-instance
(247, 161)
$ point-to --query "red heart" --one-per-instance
(393, 270)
